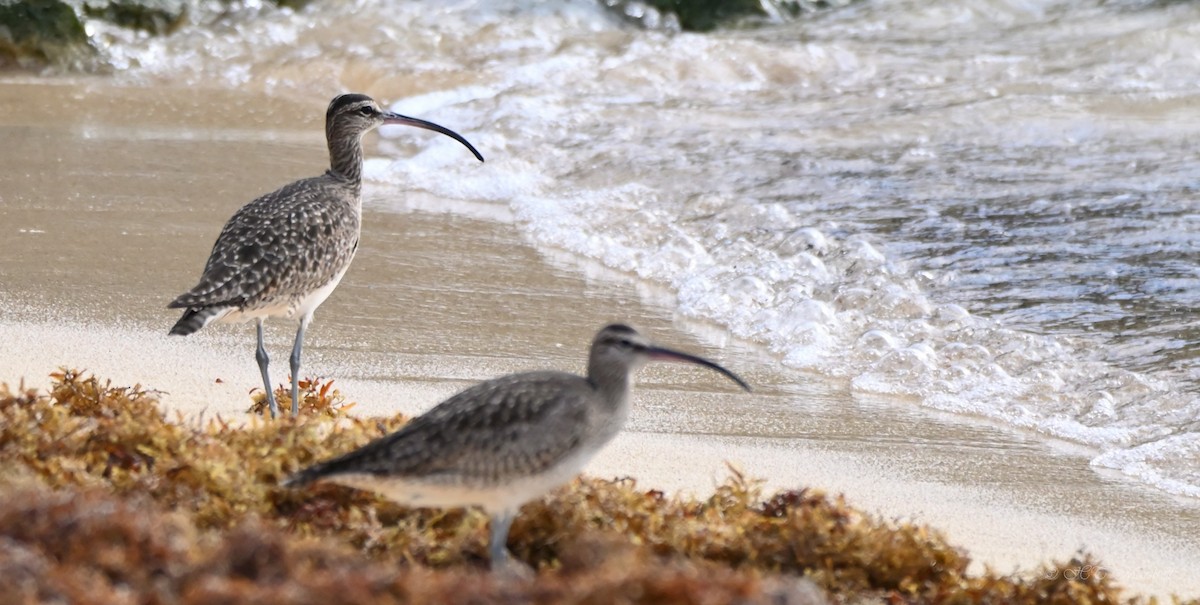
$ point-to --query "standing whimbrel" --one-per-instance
(285, 252)
(505, 441)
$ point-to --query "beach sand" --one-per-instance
(107, 216)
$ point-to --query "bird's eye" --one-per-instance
(625, 343)
(367, 111)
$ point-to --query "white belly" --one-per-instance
(508, 496)
(312, 300)
(304, 307)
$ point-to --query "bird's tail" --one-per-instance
(328, 469)
(194, 319)
(304, 477)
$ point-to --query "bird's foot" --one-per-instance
(511, 568)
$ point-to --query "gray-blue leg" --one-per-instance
(498, 546)
(299, 344)
(502, 562)
(263, 360)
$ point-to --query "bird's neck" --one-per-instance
(346, 158)
(613, 384)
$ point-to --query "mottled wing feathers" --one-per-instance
(512, 426)
(279, 247)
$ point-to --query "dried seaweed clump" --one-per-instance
(103, 499)
(797, 533)
(90, 433)
(315, 398)
(92, 547)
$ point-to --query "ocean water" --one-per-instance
(990, 207)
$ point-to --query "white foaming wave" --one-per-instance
(821, 298)
(1171, 463)
(832, 303)
(520, 82)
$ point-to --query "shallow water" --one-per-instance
(988, 206)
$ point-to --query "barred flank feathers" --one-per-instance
(194, 319)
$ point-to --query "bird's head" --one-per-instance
(620, 348)
(352, 115)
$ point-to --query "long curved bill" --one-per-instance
(395, 118)
(662, 354)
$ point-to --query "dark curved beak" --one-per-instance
(662, 354)
(395, 118)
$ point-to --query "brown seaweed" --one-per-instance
(106, 499)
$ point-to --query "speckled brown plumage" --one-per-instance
(507, 440)
(491, 433)
(282, 254)
(278, 249)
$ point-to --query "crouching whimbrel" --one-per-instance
(282, 254)
(505, 441)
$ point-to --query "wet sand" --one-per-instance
(107, 213)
